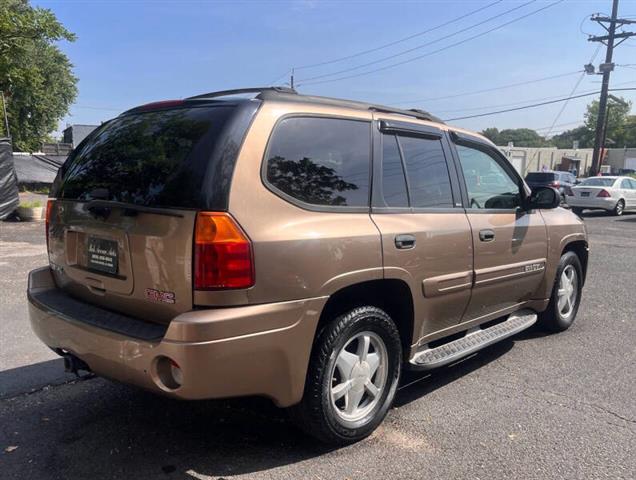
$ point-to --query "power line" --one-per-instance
(485, 90)
(567, 124)
(402, 40)
(606, 68)
(576, 86)
(432, 42)
(565, 104)
(273, 82)
(536, 104)
(523, 102)
(498, 27)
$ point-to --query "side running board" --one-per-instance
(474, 340)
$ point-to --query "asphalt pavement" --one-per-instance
(534, 406)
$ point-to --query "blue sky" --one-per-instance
(132, 52)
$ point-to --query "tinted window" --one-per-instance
(427, 172)
(393, 181)
(155, 158)
(540, 177)
(321, 161)
(487, 182)
(598, 182)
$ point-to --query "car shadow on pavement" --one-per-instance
(98, 429)
(603, 213)
(416, 385)
(32, 377)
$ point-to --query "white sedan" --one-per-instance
(612, 194)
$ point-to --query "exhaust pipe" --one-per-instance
(73, 364)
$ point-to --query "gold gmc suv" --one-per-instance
(301, 248)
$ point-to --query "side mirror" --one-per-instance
(544, 198)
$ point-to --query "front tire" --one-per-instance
(352, 377)
(566, 295)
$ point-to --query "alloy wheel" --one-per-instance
(568, 291)
(359, 376)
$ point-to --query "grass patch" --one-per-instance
(33, 204)
(35, 188)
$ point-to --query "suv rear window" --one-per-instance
(153, 158)
(321, 161)
(541, 177)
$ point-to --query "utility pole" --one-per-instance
(607, 116)
(606, 68)
(291, 80)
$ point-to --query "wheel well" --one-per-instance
(392, 296)
(581, 250)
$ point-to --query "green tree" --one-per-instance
(629, 132)
(492, 134)
(616, 122)
(35, 76)
(567, 138)
(520, 137)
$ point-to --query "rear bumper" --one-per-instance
(592, 202)
(225, 352)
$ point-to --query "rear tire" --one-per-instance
(619, 208)
(578, 211)
(352, 377)
(566, 295)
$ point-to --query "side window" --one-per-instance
(427, 172)
(321, 161)
(626, 184)
(488, 184)
(633, 184)
(393, 180)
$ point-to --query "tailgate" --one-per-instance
(126, 260)
(121, 223)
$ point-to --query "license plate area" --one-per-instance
(585, 194)
(102, 255)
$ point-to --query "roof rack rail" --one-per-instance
(239, 91)
(411, 112)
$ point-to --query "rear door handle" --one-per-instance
(486, 235)
(404, 241)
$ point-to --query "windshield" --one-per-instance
(154, 158)
(598, 182)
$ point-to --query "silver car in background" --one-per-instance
(612, 194)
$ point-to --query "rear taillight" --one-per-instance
(222, 253)
(603, 194)
(47, 220)
(555, 184)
